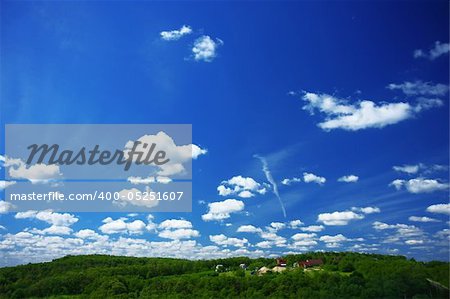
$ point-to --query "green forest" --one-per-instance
(342, 275)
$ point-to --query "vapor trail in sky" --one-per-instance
(271, 181)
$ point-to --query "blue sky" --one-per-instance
(320, 90)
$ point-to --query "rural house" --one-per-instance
(308, 263)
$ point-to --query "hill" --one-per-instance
(342, 275)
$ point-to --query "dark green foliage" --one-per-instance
(343, 275)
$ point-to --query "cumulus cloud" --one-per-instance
(264, 244)
(175, 224)
(413, 242)
(243, 187)
(53, 218)
(419, 185)
(24, 247)
(226, 241)
(5, 207)
(178, 234)
(338, 218)
(303, 236)
(420, 88)
(422, 219)
(436, 51)
(248, 229)
(276, 226)
(178, 154)
(121, 226)
(205, 48)
(443, 208)
(333, 241)
(290, 181)
(409, 169)
(294, 224)
(415, 168)
(313, 228)
(363, 114)
(367, 210)
(402, 231)
(37, 173)
(6, 184)
(53, 230)
(221, 210)
(303, 240)
(270, 236)
(90, 234)
(175, 34)
(275, 239)
(348, 178)
(312, 178)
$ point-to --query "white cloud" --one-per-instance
(245, 194)
(333, 239)
(6, 184)
(178, 234)
(175, 224)
(348, 178)
(276, 240)
(175, 34)
(312, 178)
(264, 244)
(436, 51)
(120, 226)
(90, 234)
(288, 182)
(313, 228)
(197, 151)
(5, 207)
(294, 224)
(420, 88)
(53, 230)
(222, 209)
(422, 219)
(303, 240)
(419, 185)
(53, 218)
(244, 187)
(205, 48)
(276, 226)
(367, 210)
(178, 154)
(403, 230)
(339, 218)
(364, 114)
(303, 236)
(445, 234)
(37, 173)
(248, 229)
(413, 242)
(25, 247)
(409, 169)
(226, 241)
(443, 208)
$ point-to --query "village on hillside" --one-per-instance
(281, 266)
